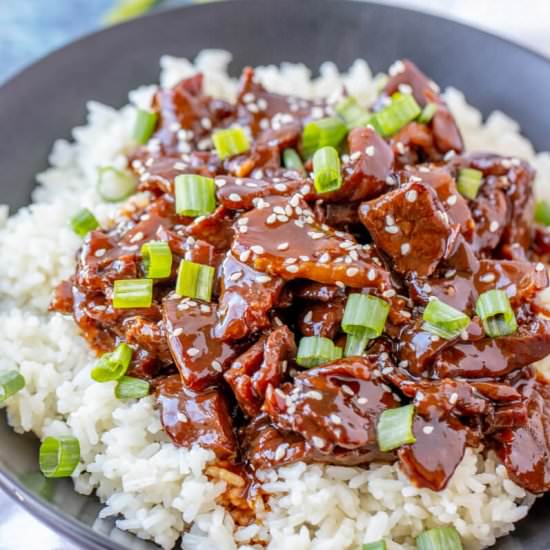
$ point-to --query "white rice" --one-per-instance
(156, 490)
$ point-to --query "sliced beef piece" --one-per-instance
(283, 239)
(311, 291)
(196, 418)
(525, 450)
(264, 364)
(216, 228)
(335, 408)
(148, 335)
(264, 445)
(445, 130)
(342, 216)
(240, 193)
(246, 298)
(200, 357)
(494, 357)
(410, 226)
(414, 144)
(321, 318)
(365, 173)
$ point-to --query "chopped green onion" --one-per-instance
(127, 9)
(469, 182)
(326, 170)
(113, 365)
(443, 320)
(496, 313)
(402, 110)
(292, 160)
(428, 113)
(317, 350)
(195, 195)
(378, 545)
(320, 133)
(365, 313)
(440, 538)
(83, 222)
(133, 293)
(144, 126)
(59, 456)
(394, 428)
(356, 344)
(231, 141)
(542, 212)
(195, 280)
(114, 185)
(157, 259)
(129, 387)
(352, 113)
(11, 382)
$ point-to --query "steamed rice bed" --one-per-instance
(157, 490)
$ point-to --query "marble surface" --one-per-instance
(32, 28)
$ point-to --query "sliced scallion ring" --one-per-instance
(378, 545)
(292, 160)
(326, 170)
(496, 313)
(59, 456)
(157, 259)
(469, 182)
(83, 222)
(440, 538)
(11, 382)
(133, 293)
(329, 131)
(443, 320)
(542, 212)
(144, 126)
(195, 280)
(231, 141)
(195, 195)
(115, 185)
(317, 350)
(365, 313)
(113, 365)
(353, 114)
(402, 110)
(356, 344)
(129, 387)
(427, 113)
(395, 428)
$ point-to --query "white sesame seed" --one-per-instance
(216, 366)
(335, 419)
(539, 267)
(347, 389)
(392, 229)
(370, 150)
(405, 248)
(243, 229)
(324, 259)
(249, 97)
(271, 219)
(396, 68)
(340, 284)
(243, 256)
(390, 220)
(235, 197)
(428, 429)
(308, 317)
(282, 246)
(362, 400)
(426, 288)
(292, 268)
(178, 331)
(137, 237)
(257, 249)
(318, 396)
(371, 275)
(281, 187)
(451, 200)
(411, 195)
(263, 279)
(290, 260)
(100, 253)
(304, 258)
(282, 218)
(346, 244)
(389, 293)
(487, 278)
(315, 235)
(494, 226)
(403, 364)
(193, 352)
(405, 88)
(205, 309)
(319, 442)
(453, 398)
(279, 210)
(352, 271)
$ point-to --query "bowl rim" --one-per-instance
(74, 530)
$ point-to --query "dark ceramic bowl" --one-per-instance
(45, 101)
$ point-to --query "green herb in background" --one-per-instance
(127, 9)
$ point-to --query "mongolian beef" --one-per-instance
(322, 282)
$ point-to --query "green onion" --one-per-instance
(195, 280)
(320, 133)
(83, 222)
(11, 382)
(113, 366)
(428, 113)
(127, 9)
(469, 182)
(292, 160)
(352, 113)
(496, 313)
(195, 195)
(114, 185)
(395, 428)
(542, 212)
(402, 110)
(59, 456)
(443, 320)
(365, 313)
(378, 545)
(317, 350)
(356, 344)
(129, 387)
(157, 259)
(440, 538)
(133, 293)
(144, 126)
(229, 142)
(326, 170)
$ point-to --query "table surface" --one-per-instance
(30, 29)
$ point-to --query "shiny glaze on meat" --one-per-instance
(286, 258)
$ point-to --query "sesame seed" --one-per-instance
(426, 288)
(390, 220)
(453, 398)
(405, 248)
(292, 268)
(216, 366)
(340, 284)
(539, 267)
(282, 246)
(346, 244)
(257, 249)
(248, 97)
(205, 309)
(335, 419)
(243, 256)
(487, 278)
(100, 252)
(411, 195)
(319, 442)
(281, 187)
(193, 352)
(389, 293)
(352, 271)
(315, 236)
(137, 237)
(392, 229)
(318, 396)
(263, 279)
(304, 258)
(371, 275)
(271, 219)
(324, 259)
(235, 197)
(428, 429)
(281, 451)
(451, 201)
(279, 210)
(290, 260)
(494, 226)
(370, 151)
(282, 218)
(403, 364)
(178, 331)
(362, 400)
(405, 88)
(449, 274)
(308, 317)
(400, 148)
(347, 389)
(243, 229)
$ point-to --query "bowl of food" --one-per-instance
(291, 294)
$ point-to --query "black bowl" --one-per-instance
(46, 100)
